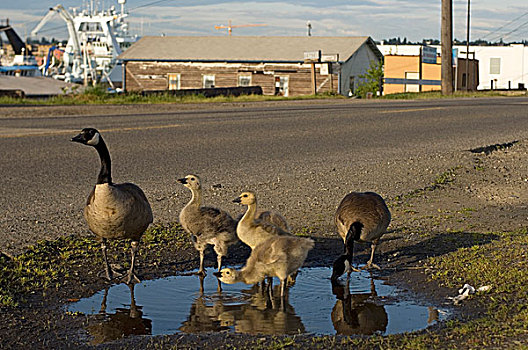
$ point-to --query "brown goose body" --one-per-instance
(367, 208)
(362, 217)
(118, 211)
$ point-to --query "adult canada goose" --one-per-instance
(253, 231)
(206, 225)
(114, 211)
(362, 217)
(278, 256)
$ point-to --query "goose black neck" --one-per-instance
(105, 175)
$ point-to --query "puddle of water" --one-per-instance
(181, 304)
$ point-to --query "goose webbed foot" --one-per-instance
(110, 274)
(131, 278)
(369, 266)
(201, 273)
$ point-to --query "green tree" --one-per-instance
(370, 81)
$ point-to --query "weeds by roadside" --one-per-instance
(52, 264)
(97, 95)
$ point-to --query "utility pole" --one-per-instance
(447, 47)
(467, 49)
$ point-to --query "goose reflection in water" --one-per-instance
(122, 323)
(357, 313)
(257, 311)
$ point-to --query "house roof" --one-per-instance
(242, 48)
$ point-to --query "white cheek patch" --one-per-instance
(94, 141)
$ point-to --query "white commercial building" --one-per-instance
(500, 67)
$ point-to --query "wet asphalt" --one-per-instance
(300, 157)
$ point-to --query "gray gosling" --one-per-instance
(114, 211)
(273, 218)
(206, 225)
(253, 231)
(278, 256)
(362, 217)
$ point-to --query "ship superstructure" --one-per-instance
(95, 40)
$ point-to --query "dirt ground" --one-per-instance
(483, 192)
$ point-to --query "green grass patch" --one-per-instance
(97, 95)
(439, 181)
(503, 264)
(51, 264)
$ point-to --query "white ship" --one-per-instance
(96, 38)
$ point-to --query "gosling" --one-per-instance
(206, 225)
(362, 217)
(114, 211)
(278, 256)
(253, 231)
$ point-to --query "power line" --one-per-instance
(147, 5)
(511, 32)
(505, 25)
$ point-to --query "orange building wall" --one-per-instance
(397, 66)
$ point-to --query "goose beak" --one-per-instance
(182, 181)
(77, 138)
(218, 274)
(237, 200)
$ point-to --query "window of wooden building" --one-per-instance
(208, 81)
(281, 85)
(174, 81)
(244, 80)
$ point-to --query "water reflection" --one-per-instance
(357, 313)
(261, 312)
(124, 322)
(187, 303)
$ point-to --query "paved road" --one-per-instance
(300, 157)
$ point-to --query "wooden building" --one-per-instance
(277, 64)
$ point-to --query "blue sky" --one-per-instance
(381, 19)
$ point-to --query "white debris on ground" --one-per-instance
(466, 291)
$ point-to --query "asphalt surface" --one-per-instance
(300, 157)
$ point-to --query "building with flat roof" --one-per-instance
(499, 67)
